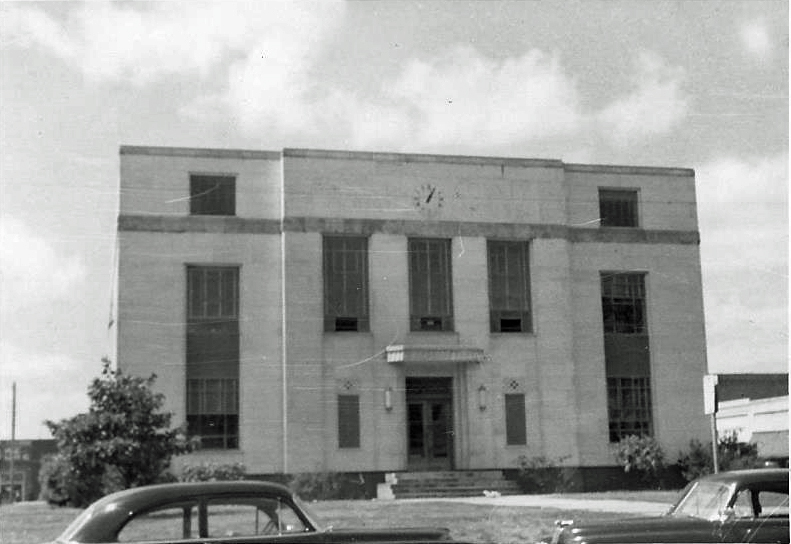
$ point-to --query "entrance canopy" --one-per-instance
(433, 354)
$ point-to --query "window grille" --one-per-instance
(509, 286)
(623, 303)
(212, 195)
(618, 208)
(430, 285)
(345, 283)
(629, 406)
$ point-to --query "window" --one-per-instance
(345, 283)
(430, 290)
(509, 286)
(245, 517)
(618, 208)
(213, 412)
(515, 423)
(348, 421)
(623, 303)
(213, 355)
(169, 523)
(212, 195)
(629, 406)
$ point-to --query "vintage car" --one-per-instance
(219, 512)
(738, 506)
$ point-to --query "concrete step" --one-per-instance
(452, 484)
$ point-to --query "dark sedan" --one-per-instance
(738, 506)
(219, 513)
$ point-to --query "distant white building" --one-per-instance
(754, 408)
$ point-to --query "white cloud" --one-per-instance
(755, 38)
(743, 215)
(32, 271)
(655, 106)
(141, 42)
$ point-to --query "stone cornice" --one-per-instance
(366, 227)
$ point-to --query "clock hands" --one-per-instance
(431, 194)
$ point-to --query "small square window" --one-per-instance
(212, 195)
(618, 208)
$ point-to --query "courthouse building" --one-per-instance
(312, 310)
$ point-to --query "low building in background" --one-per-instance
(22, 483)
(754, 408)
(310, 310)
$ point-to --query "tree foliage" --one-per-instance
(124, 440)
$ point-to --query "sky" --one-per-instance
(694, 84)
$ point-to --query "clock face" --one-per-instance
(428, 197)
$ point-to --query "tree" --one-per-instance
(123, 441)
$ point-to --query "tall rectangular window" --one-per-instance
(213, 355)
(212, 195)
(346, 283)
(509, 286)
(623, 303)
(430, 285)
(515, 421)
(626, 354)
(348, 421)
(618, 208)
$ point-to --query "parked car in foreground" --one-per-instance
(738, 506)
(244, 512)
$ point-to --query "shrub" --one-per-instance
(210, 472)
(540, 474)
(327, 486)
(641, 454)
(731, 455)
(54, 479)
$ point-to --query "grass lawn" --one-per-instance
(34, 523)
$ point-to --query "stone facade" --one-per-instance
(294, 375)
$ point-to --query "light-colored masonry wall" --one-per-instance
(152, 286)
(559, 367)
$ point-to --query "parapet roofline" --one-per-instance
(217, 153)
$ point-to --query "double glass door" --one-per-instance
(430, 423)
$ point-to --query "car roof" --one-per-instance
(144, 496)
(105, 516)
(750, 476)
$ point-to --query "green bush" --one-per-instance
(641, 454)
(56, 485)
(539, 474)
(731, 455)
(319, 486)
(210, 472)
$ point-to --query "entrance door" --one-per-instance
(430, 423)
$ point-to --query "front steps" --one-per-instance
(455, 483)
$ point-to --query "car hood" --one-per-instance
(648, 529)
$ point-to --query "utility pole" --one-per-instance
(13, 440)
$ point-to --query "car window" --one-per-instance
(773, 504)
(173, 522)
(251, 517)
(743, 504)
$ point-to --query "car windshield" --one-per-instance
(308, 513)
(706, 500)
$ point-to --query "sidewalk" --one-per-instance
(561, 503)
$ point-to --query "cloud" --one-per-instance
(756, 40)
(142, 42)
(656, 104)
(33, 272)
(743, 215)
